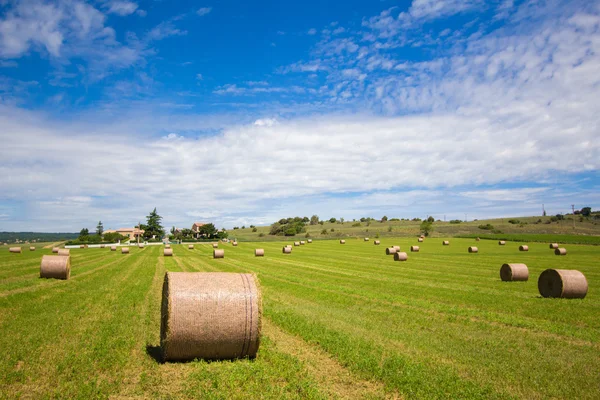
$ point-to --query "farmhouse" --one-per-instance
(132, 233)
(196, 228)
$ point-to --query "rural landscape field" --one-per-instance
(339, 321)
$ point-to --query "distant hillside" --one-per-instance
(12, 237)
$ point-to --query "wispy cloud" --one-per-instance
(121, 8)
(203, 11)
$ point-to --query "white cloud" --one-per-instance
(203, 11)
(312, 31)
(199, 77)
(164, 30)
(121, 8)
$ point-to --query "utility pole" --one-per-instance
(543, 210)
(573, 208)
(466, 220)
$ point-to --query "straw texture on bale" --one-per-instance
(55, 249)
(210, 315)
(420, 239)
(190, 246)
(514, 272)
(215, 245)
(376, 242)
(302, 243)
(564, 283)
(561, 251)
(259, 252)
(218, 253)
(366, 239)
(56, 267)
(31, 248)
(124, 250)
(309, 240)
(501, 242)
(473, 249)
(64, 252)
(286, 250)
(168, 252)
(414, 249)
(342, 241)
(446, 243)
(234, 243)
(396, 247)
(390, 250)
(15, 250)
(400, 256)
(296, 243)
(554, 245)
(113, 248)
(523, 248)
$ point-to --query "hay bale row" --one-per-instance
(473, 249)
(562, 283)
(287, 250)
(400, 256)
(218, 253)
(523, 248)
(302, 243)
(514, 272)
(210, 315)
(376, 242)
(296, 243)
(259, 252)
(124, 250)
(414, 249)
(14, 250)
(168, 252)
(390, 251)
(55, 267)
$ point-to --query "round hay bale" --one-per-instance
(376, 242)
(390, 250)
(141, 246)
(501, 242)
(287, 250)
(56, 267)
(102, 246)
(554, 246)
(296, 243)
(523, 247)
(55, 249)
(366, 239)
(397, 248)
(190, 247)
(422, 237)
(342, 241)
(168, 252)
(446, 243)
(113, 248)
(473, 249)
(420, 240)
(210, 315)
(563, 283)
(167, 246)
(81, 246)
(259, 252)
(64, 252)
(400, 256)
(561, 251)
(414, 249)
(31, 248)
(218, 253)
(514, 272)
(215, 245)
(309, 241)
(302, 243)
(477, 240)
(124, 250)
(234, 243)
(14, 250)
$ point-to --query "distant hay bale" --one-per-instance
(390, 250)
(102, 246)
(81, 246)
(215, 245)
(218, 253)
(514, 272)
(64, 252)
(167, 246)
(501, 242)
(554, 245)
(523, 248)
(113, 248)
(210, 315)
(473, 249)
(286, 250)
(234, 243)
(31, 248)
(376, 242)
(124, 250)
(563, 283)
(366, 239)
(14, 250)
(477, 240)
(302, 243)
(55, 267)
(342, 241)
(414, 249)
(55, 249)
(400, 256)
(420, 239)
(190, 247)
(296, 243)
(141, 245)
(259, 252)
(446, 243)
(309, 241)
(561, 251)
(168, 252)
(397, 248)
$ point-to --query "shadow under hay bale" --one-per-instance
(473, 249)
(168, 252)
(563, 283)
(414, 249)
(210, 315)
(400, 256)
(390, 250)
(14, 250)
(259, 252)
(124, 250)
(514, 272)
(64, 252)
(523, 248)
(55, 267)
(218, 253)
(561, 251)
(286, 250)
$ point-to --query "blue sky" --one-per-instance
(245, 112)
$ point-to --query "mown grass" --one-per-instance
(540, 237)
(441, 325)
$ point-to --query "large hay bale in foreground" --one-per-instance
(168, 252)
(563, 283)
(561, 251)
(210, 315)
(514, 272)
(420, 240)
(309, 240)
(390, 250)
(414, 249)
(554, 245)
(342, 241)
(113, 248)
(31, 248)
(55, 267)
(14, 250)
(124, 250)
(296, 243)
(501, 242)
(55, 249)
(190, 247)
(259, 252)
(523, 247)
(400, 256)
(366, 239)
(473, 249)
(218, 253)
(286, 250)
(376, 242)
(446, 243)
(64, 252)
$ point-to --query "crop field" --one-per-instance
(339, 321)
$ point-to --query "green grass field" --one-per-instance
(340, 321)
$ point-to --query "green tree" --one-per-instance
(314, 220)
(83, 234)
(586, 211)
(208, 230)
(430, 219)
(324, 232)
(99, 229)
(153, 226)
(384, 218)
(342, 220)
(426, 227)
(332, 220)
